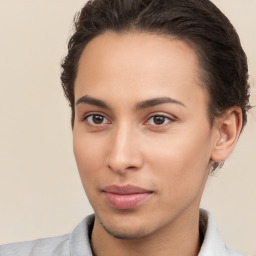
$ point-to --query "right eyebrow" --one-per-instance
(92, 101)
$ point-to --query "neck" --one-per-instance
(181, 237)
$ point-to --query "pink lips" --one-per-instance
(125, 197)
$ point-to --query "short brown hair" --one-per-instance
(197, 22)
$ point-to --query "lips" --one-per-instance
(125, 197)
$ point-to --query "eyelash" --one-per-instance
(167, 120)
(88, 119)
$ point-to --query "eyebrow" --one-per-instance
(139, 106)
(92, 101)
(157, 101)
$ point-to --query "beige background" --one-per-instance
(40, 191)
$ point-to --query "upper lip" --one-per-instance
(125, 190)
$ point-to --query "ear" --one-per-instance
(227, 131)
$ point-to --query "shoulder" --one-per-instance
(75, 243)
(213, 243)
(233, 252)
(53, 246)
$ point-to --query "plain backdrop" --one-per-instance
(40, 190)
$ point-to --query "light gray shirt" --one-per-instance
(77, 243)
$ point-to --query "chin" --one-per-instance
(128, 231)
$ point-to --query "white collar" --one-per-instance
(213, 244)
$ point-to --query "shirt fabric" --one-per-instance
(77, 243)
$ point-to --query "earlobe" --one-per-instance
(228, 128)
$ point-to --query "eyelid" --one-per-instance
(89, 114)
(171, 119)
(167, 116)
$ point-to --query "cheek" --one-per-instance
(89, 153)
(180, 163)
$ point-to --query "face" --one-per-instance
(142, 138)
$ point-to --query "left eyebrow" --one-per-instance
(157, 101)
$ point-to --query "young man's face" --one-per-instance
(142, 138)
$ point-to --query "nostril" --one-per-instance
(121, 168)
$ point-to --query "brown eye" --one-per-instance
(159, 120)
(96, 119)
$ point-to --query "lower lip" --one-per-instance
(126, 201)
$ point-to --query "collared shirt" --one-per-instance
(78, 242)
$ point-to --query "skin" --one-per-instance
(125, 145)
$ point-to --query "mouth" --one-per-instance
(125, 197)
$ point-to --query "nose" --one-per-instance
(124, 154)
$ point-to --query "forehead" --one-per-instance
(142, 63)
